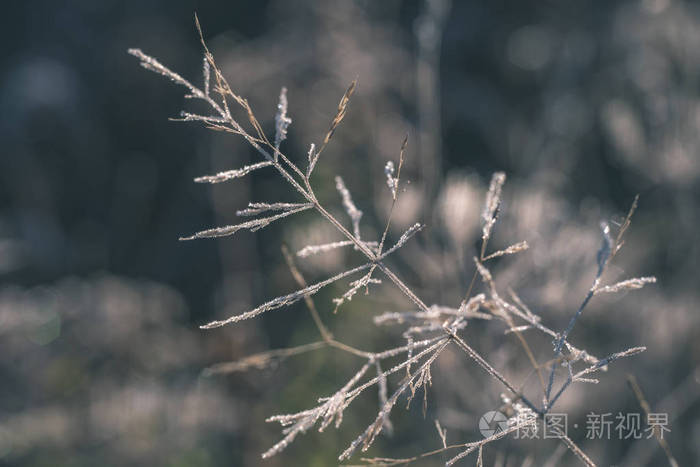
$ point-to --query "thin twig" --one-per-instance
(637, 390)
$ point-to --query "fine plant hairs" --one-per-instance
(427, 330)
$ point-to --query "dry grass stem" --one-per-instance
(427, 330)
(629, 284)
(231, 174)
(639, 394)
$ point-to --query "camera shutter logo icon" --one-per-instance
(492, 422)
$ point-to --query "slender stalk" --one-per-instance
(639, 394)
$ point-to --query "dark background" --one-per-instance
(582, 105)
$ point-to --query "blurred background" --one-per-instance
(582, 106)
